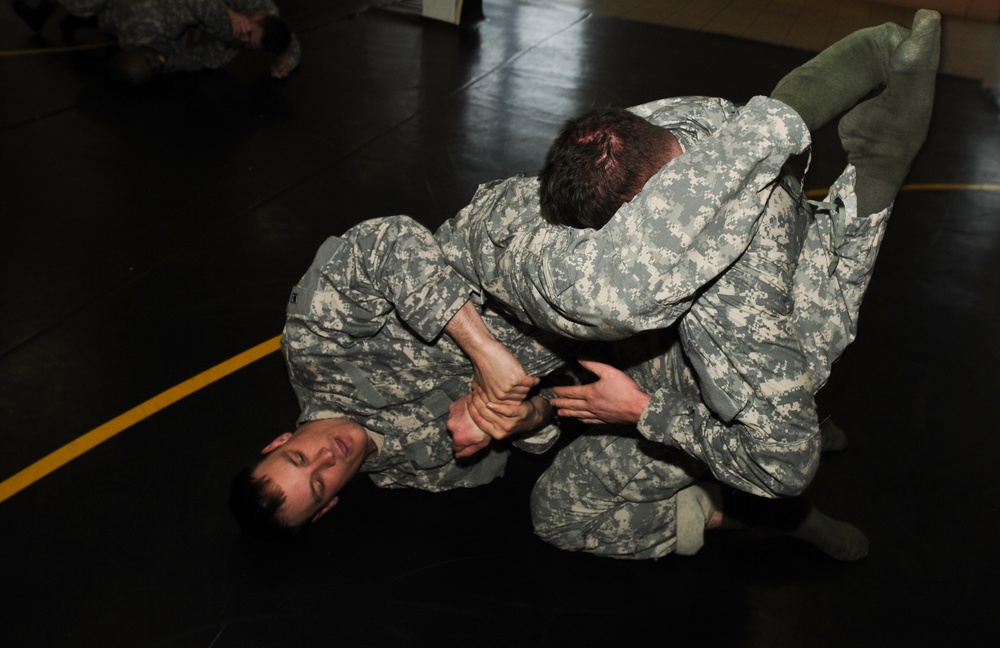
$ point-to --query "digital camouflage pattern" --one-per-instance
(763, 337)
(756, 344)
(642, 270)
(363, 340)
(192, 34)
(363, 335)
(615, 494)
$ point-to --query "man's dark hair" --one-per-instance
(255, 503)
(135, 65)
(598, 162)
(276, 34)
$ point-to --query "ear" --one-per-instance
(280, 441)
(326, 508)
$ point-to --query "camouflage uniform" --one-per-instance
(350, 354)
(642, 270)
(190, 33)
(363, 340)
(736, 391)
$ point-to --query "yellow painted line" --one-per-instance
(74, 449)
(819, 193)
(56, 50)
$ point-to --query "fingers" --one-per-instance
(503, 409)
(511, 393)
(481, 421)
(571, 407)
(490, 423)
(570, 391)
(466, 438)
(240, 26)
(470, 450)
(484, 405)
(582, 415)
(566, 403)
(594, 367)
(599, 369)
(484, 419)
(500, 420)
(527, 382)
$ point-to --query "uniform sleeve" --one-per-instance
(167, 28)
(352, 337)
(706, 114)
(291, 56)
(642, 269)
(378, 267)
(422, 458)
(758, 449)
(213, 16)
(744, 453)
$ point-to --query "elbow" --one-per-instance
(789, 473)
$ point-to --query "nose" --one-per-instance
(324, 457)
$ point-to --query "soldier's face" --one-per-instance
(252, 37)
(312, 465)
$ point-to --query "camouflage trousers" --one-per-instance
(760, 342)
(613, 494)
(770, 327)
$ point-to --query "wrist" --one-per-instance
(639, 405)
(542, 409)
(466, 327)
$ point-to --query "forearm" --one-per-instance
(469, 331)
(497, 371)
(292, 55)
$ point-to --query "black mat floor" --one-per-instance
(151, 234)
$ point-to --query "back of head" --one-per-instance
(135, 65)
(255, 503)
(276, 34)
(598, 162)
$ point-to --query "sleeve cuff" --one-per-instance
(429, 311)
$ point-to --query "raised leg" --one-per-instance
(883, 135)
(841, 75)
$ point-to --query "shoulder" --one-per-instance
(702, 110)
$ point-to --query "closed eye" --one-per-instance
(295, 458)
